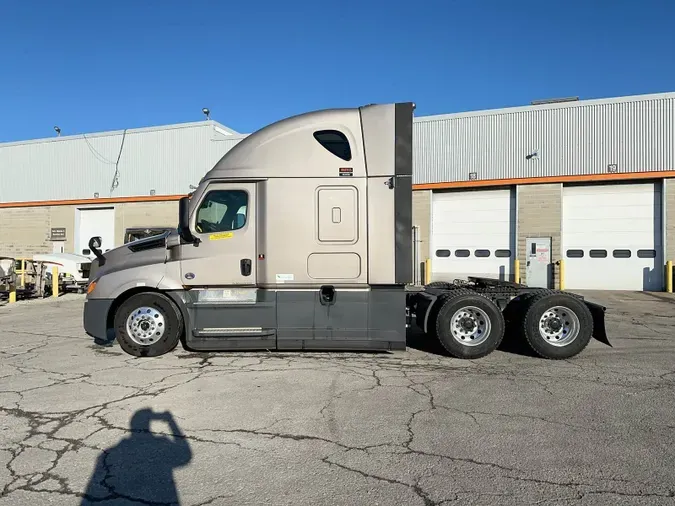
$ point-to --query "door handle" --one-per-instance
(245, 266)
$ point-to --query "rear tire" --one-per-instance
(468, 324)
(446, 285)
(557, 325)
(148, 325)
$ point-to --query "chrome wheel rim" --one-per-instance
(559, 326)
(470, 326)
(145, 326)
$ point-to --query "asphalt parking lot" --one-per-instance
(81, 424)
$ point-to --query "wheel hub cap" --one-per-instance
(467, 324)
(559, 326)
(555, 324)
(470, 326)
(145, 326)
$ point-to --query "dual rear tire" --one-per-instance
(554, 324)
(468, 325)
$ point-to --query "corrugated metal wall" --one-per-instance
(637, 134)
(166, 160)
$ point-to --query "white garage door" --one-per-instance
(473, 234)
(95, 222)
(611, 237)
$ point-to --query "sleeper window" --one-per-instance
(336, 142)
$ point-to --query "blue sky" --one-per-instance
(94, 65)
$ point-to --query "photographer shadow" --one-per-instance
(140, 467)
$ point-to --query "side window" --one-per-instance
(222, 211)
(335, 142)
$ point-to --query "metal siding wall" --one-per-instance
(55, 170)
(166, 160)
(577, 138)
(573, 139)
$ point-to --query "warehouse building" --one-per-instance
(60, 191)
(575, 194)
(589, 183)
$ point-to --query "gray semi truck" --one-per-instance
(300, 238)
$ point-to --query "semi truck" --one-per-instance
(300, 238)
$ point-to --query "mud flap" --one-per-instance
(599, 331)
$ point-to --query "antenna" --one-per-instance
(207, 113)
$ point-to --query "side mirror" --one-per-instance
(184, 220)
(94, 245)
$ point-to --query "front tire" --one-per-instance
(557, 325)
(469, 325)
(148, 325)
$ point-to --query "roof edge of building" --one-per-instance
(108, 133)
(546, 106)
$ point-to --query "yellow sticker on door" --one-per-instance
(220, 235)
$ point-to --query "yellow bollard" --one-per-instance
(516, 271)
(562, 274)
(427, 271)
(55, 281)
(669, 276)
(12, 294)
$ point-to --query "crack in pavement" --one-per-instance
(415, 488)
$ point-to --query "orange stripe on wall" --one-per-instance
(87, 202)
(426, 186)
(586, 178)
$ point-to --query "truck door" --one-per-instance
(224, 221)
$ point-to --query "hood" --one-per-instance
(151, 250)
(61, 257)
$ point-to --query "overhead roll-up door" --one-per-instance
(473, 234)
(612, 237)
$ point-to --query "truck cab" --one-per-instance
(300, 237)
